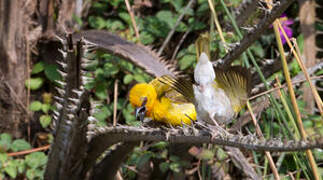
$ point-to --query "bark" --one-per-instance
(307, 22)
(13, 71)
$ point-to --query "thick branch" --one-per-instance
(135, 134)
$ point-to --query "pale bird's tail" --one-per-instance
(202, 44)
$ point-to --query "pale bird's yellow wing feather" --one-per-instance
(235, 82)
(202, 44)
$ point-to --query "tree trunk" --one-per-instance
(13, 69)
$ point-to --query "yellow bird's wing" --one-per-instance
(182, 86)
(165, 90)
(172, 107)
(235, 81)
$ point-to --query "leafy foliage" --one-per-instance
(32, 165)
(154, 23)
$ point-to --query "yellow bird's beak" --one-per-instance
(141, 113)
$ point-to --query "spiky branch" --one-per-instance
(142, 56)
(69, 147)
(195, 136)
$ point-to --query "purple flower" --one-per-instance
(285, 22)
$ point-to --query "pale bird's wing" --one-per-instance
(235, 81)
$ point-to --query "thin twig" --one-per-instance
(217, 24)
(28, 88)
(286, 107)
(170, 34)
(300, 61)
(291, 91)
(133, 20)
(316, 95)
(180, 43)
(283, 86)
(259, 133)
(29, 151)
(115, 102)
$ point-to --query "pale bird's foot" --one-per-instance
(220, 130)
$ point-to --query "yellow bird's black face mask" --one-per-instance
(141, 111)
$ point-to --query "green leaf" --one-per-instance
(35, 106)
(114, 25)
(45, 108)
(160, 145)
(127, 78)
(103, 114)
(5, 142)
(139, 78)
(177, 4)
(101, 90)
(174, 158)
(175, 166)
(20, 145)
(34, 83)
(36, 159)
(20, 164)
(156, 27)
(164, 166)
(45, 120)
(167, 17)
(31, 173)
(206, 154)
(3, 158)
(126, 17)
(258, 49)
(186, 61)
(126, 65)
(11, 169)
(146, 38)
(196, 24)
(39, 67)
(97, 22)
(52, 73)
(130, 118)
(110, 69)
(143, 159)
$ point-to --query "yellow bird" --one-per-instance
(160, 102)
(218, 95)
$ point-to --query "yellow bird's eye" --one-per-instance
(142, 93)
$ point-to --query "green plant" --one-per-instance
(31, 165)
